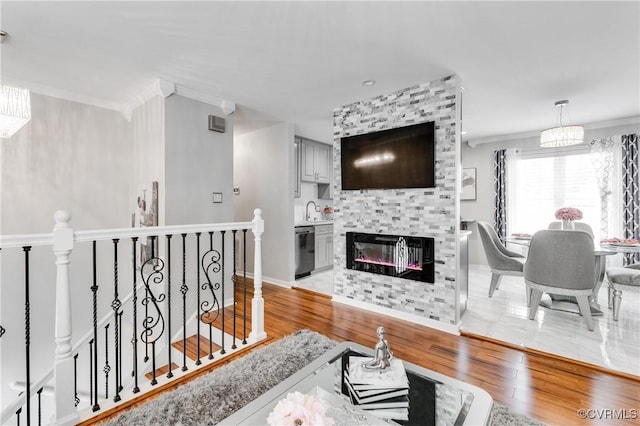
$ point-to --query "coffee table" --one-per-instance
(434, 399)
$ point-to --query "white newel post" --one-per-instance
(257, 303)
(65, 410)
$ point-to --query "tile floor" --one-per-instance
(612, 344)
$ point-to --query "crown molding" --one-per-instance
(226, 106)
(157, 87)
(64, 94)
(628, 121)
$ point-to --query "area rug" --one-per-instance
(209, 399)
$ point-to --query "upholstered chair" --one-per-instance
(579, 226)
(501, 260)
(561, 263)
(620, 277)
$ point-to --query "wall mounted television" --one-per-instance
(403, 157)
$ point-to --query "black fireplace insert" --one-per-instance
(406, 257)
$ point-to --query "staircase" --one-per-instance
(188, 305)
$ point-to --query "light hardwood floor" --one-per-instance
(548, 388)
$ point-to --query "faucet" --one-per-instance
(306, 209)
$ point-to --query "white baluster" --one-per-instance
(257, 303)
(66, 412)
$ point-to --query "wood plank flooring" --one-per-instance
(547, 388)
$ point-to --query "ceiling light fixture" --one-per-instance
(561, 135)
(368, 82)
(15, 106)
(15, 110)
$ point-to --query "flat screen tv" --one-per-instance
(403, 157)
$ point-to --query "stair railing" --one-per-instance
(212, 288)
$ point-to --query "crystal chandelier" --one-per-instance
(561, 135)
(15, 110)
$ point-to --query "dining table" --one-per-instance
(600, 250)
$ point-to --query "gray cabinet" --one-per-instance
(298, 166)
(324, 246)
(316, 161)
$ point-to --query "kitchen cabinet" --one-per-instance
(324, 246)
(297, 166)
(317, 161)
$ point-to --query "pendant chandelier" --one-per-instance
(15, 105)
(561, 135)
(15, 110)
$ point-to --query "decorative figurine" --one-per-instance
(382, 356)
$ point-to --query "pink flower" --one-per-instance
(568, 213)
(299, 409)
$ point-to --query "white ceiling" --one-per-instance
(297, 61)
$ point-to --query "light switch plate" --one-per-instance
(217, 197)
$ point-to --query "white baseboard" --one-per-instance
(479, 267)
(427, 322)
(269, 280)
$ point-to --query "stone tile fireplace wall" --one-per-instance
(428, 212)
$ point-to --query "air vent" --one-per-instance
(217, 124)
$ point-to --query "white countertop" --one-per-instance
(315, 222)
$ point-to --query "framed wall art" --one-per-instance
(469, 188)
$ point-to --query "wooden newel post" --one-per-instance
(65, 410)
(257, 303)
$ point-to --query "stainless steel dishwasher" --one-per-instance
(305, 250)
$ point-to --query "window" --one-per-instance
(540, 182)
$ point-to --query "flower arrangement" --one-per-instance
(300, 409)
(568, 213)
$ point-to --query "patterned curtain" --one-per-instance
(500, 192)
(630, 192)
(602, 153)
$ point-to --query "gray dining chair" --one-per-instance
(579, 226)
(502, 261)
(561, 263)
(618, 278)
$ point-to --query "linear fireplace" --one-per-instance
(394, 255)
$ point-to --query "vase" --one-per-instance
(568, 225)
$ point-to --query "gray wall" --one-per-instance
(197, 163)
(148, 151)
(69, 156)
(264, 172)
(481, 158)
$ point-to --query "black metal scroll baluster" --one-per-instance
(116, 304)
(153, 326)
(107, 367)
(134, 303)
(234, 279)
(92, 396)
(76, 400)
(40, 406)
(210, 266)
(120, 388)
(244, 286)
(170, 373)
(224, 259)
(93, 372)
(199, 318)
(143, 252)
(210, 323)
(18, 416)
(27, 332)
(183, 290)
